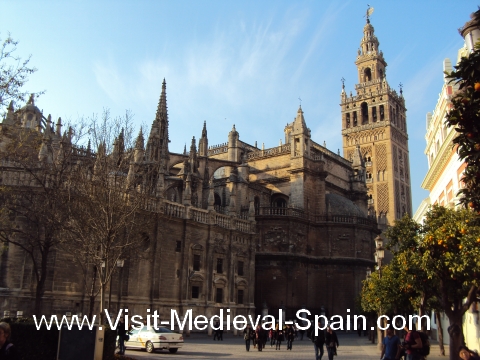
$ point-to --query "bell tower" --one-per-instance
(374, 118)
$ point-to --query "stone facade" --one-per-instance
(235, 226)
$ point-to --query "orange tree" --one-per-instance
(441, 260)
(464, 116)
(450, 251)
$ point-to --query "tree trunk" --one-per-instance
(92, 293)
(40, 289)
(440, 333)
(456, 335)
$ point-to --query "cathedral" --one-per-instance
(250, 229)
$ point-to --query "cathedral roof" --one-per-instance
(339, 205)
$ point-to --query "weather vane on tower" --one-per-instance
(369, 13)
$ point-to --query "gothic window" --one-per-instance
(382, 113)
(196, 262)
(364, 107)
(195, 292)
(348, 120)
(240, 268)
(355, 118)
(240, 297)
(256, 205)
(219, 295)
(219, 266)
(367, 74)
(374, 113)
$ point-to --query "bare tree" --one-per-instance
(35, 168)
(14, 73)
(107, 222)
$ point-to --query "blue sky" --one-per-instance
(232, 62)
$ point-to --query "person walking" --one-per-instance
(259, 337)
(318, 342)
(271, 336)
(331, 340)
(7, 350)
(123, 335)
(391, 346)
(413, 342)
(247, 336)
(290, 335)
(216, 331)
(279, 337)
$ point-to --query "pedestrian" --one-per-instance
(123, 335)
(331, 340)
(279, 337)
(271, 336)
(318, 341)
(391, 348)
(7, 350)
(290, 335)
(247, 336)
(216, 331)
(467, 354)
(413, 342)
(259, 337)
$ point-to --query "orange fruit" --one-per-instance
(477, 86)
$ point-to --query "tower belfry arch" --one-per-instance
(375, 119)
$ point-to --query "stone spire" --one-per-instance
(9, 119)
(193, 157)
(157, 144)
(203, 143)
(357, 158)
(139, 148)
(59, 127)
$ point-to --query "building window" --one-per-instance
(196, 262)
(219, 265)
(195, 292)
(240, 297)
(178, 248)
(240, 268)
(219, 295)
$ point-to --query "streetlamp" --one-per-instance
(379, 255)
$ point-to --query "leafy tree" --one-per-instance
(441, 263)
(464, 116)
(14, 73)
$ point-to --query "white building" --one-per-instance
(445, 171)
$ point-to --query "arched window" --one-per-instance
(218, 200)
(256, 204)
(374, 114)
(347, 122)
(367, 74)
(355, 121)
(382, 113)
(364, 107)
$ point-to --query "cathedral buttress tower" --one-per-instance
(375, 119)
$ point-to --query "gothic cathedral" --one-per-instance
(375, 119)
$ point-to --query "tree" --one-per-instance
(464, 116)
(107, 218)
(36, 165)
(14, 73)
(441, 262)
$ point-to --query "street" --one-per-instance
(201, 346)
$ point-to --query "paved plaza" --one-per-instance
(201, 346)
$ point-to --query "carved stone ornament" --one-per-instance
(197, 247)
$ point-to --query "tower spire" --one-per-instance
(157, 144)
